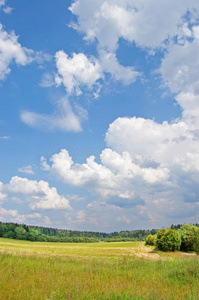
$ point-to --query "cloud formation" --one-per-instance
(143, 22)
(77, 71)
(179, 70)
(11, 50)
(149, 167)
(63, 118)
(38, 193)
(117, 175)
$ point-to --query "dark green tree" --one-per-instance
(168, 240)
(188, 237)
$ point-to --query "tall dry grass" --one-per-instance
(41, 271)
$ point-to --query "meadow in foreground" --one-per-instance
(46, 271)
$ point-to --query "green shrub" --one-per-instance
(168, 240)
(151, 240)
(188, 237)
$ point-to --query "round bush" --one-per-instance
(168, 240)
(150, 240)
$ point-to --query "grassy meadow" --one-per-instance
(130, 270)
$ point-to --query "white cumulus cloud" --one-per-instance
(164, 143)
(117, 175)
(179, 68)
(77, 71)
(144, 22)
(12, 51)
(38, 193)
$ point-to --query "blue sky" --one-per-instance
(99, 113)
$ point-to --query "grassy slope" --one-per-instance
(94, 271)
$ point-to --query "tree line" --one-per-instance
(46, 234)
(161, 238)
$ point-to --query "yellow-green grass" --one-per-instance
(95, 271)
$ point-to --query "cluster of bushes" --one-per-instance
(186, 238)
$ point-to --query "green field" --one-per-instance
(128, 270)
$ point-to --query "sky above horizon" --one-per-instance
(99, 119)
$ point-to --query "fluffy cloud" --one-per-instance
(118, 175)
(63, 118)
(145, 23)
(38, 193)
(77, 71)
(161, 143)
(11, 50)
(179, 68)
(169, 145)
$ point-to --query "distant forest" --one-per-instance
(45, 234)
